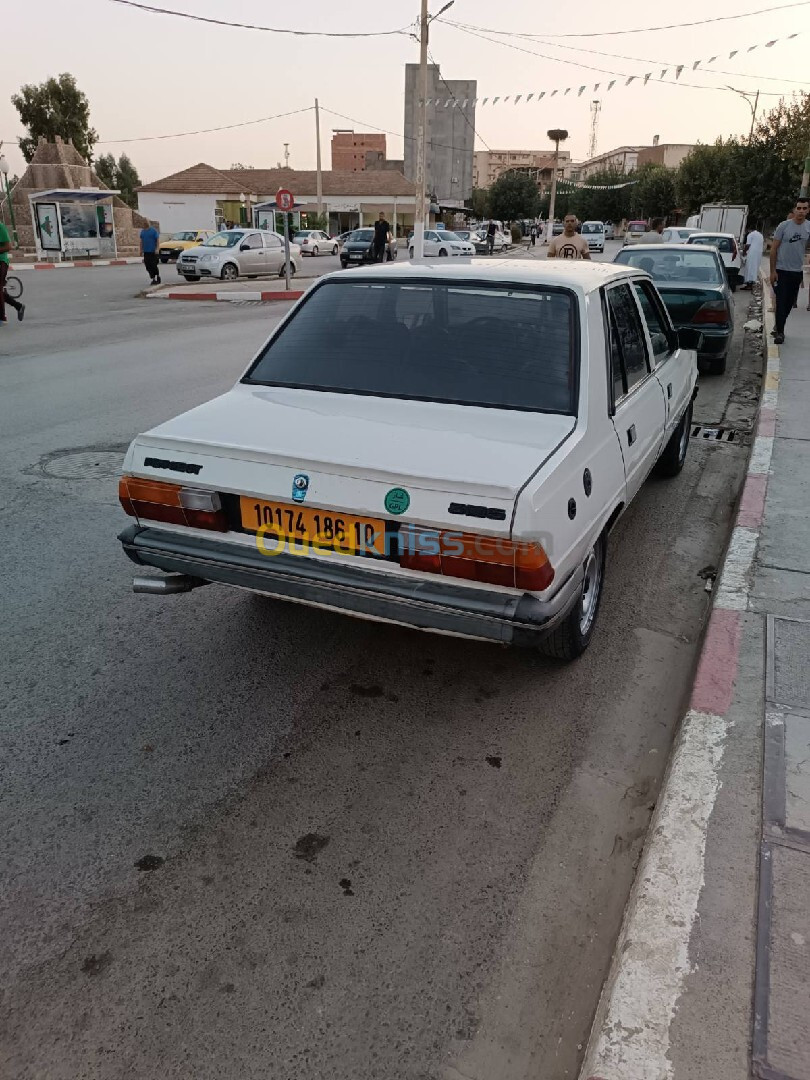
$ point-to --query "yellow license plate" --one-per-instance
(294, 528)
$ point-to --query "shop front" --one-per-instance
(74, 223)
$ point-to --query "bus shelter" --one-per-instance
(74, 223)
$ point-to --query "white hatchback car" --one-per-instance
(726, 244)
(234, 252)
(442, 242)
(594, 233)
(445, 448)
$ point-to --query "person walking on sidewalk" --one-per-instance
(787, 263)
(149, 245)
(754, 243)
(533, 234)
(5, 247)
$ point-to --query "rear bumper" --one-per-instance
(715, 343)
(347, 585)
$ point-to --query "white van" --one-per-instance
(594, 232)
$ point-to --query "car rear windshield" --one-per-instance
(466, 343)
(674, 265)
(722, 243)
(636, 226)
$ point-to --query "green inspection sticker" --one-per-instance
(397, 501)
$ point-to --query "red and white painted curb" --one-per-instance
(630, 1035)
(233, 297)
(74, 264)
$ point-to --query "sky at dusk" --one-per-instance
(148, 75)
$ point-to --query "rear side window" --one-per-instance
(470, 344)
(628, 350)
(656, 320)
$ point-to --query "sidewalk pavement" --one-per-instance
(711, 975)
(73, 264)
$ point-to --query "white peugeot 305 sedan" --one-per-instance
(441, 446)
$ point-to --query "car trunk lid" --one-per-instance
(459, 466)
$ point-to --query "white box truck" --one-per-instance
(721, 218)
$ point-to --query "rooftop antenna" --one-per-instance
(596, 108)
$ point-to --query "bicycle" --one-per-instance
(14, 287)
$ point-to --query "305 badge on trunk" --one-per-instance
(284, 527)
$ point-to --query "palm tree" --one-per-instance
(556, 135)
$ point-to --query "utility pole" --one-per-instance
(596, 107)
(805, 176)
(420, 220)
(319, 176)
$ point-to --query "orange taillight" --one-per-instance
(490, 559)
(157, 500)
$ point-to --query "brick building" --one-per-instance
(351, 150)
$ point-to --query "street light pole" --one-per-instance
(420, 222)
(753, 107)
(420, 217)
(805, 176)
(319, 175)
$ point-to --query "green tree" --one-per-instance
(55, 107)
(479, 203)
(513, 195)
(119, 175)
(105, 169)
(768, 168)
(707, 174)
(653, 194)
(127, 180)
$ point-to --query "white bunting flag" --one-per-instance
(647, 77)
(678, 71)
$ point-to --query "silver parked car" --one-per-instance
(234, 252)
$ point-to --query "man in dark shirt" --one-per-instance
(382, 234)
(150, 238)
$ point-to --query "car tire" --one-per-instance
(281, 273)
(716, 365)
(314, 251)
(671, 461)
(571, 637)
(410, 253)
(230, 272)
(442, 253)
(344, 263)
(335, 250)
(164, 259)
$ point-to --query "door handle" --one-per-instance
(631, 434)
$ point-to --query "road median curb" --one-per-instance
(268, 296)
(74, 264)
(630, 1036)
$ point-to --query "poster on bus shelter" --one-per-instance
(47, 224)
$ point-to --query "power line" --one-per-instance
(252, 26)
(602, 71)
(640, 29)
(206, 131)
(452, 95)
(669, 63)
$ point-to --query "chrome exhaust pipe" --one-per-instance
(172, 583)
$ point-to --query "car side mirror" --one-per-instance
(244, 247)
(688, 338)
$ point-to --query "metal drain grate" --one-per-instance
(715, 434)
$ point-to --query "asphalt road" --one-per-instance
(242, 839)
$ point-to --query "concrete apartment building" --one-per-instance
(669, 154)
(489, 164)
(450, 134)
(351, 149)
(623, 159)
